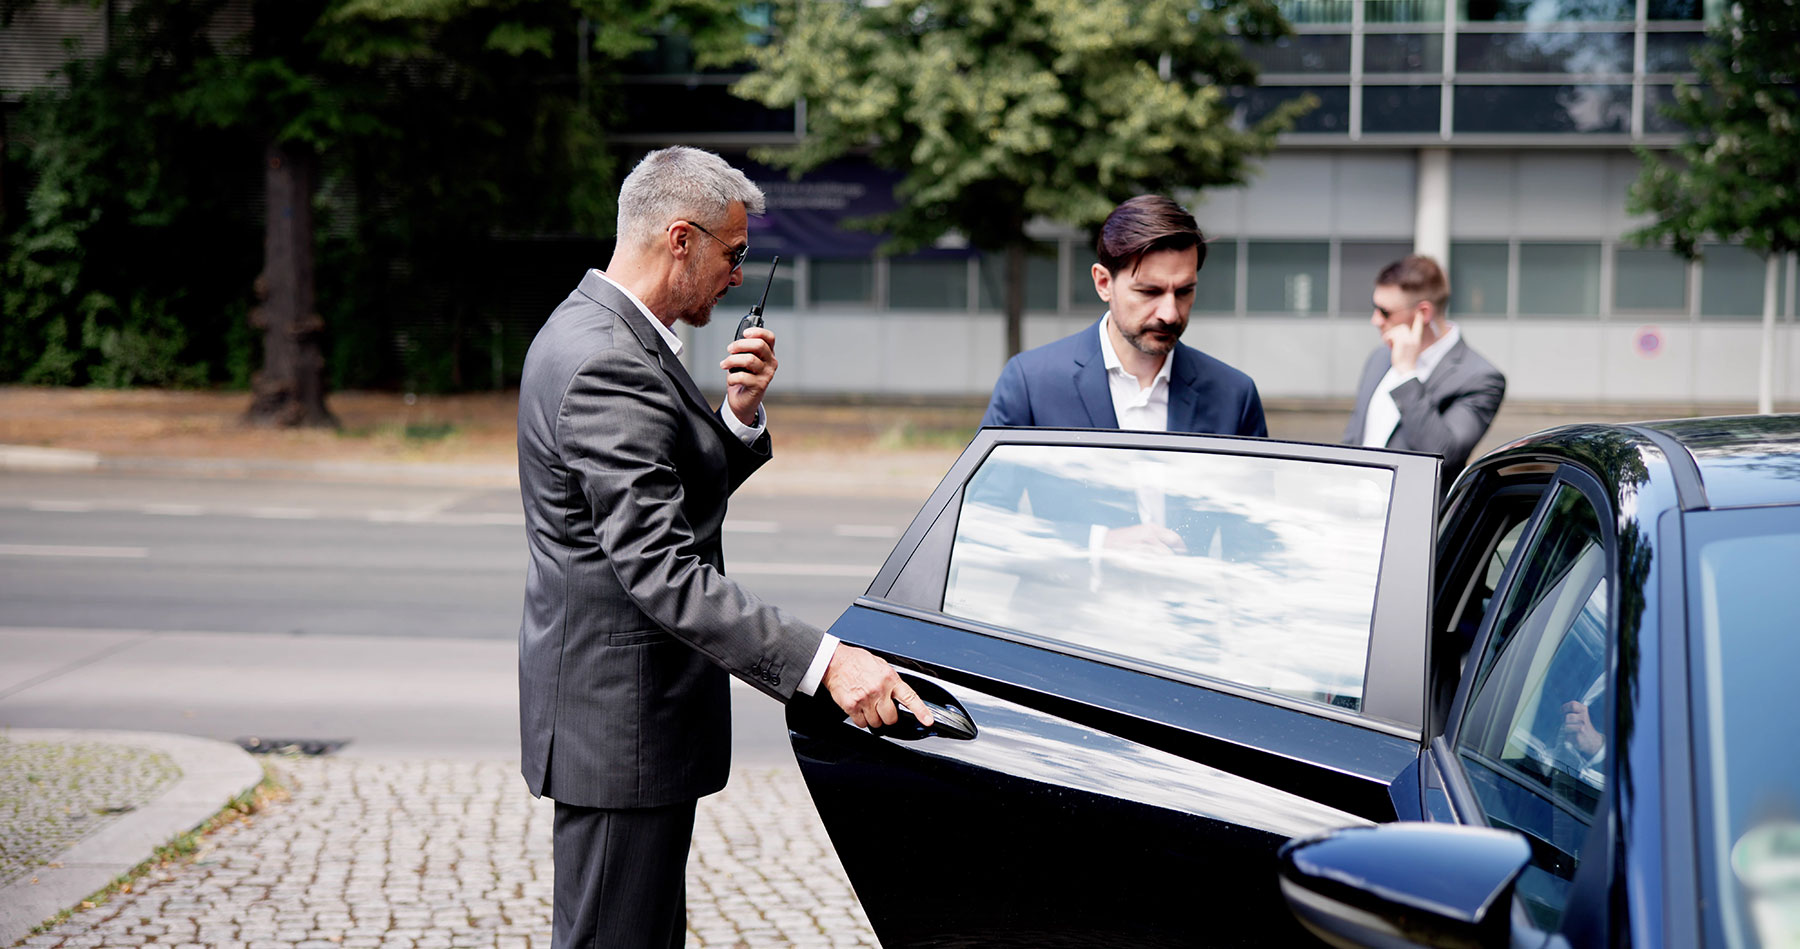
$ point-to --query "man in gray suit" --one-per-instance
(630, 624)
(1423, 389)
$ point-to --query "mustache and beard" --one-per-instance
(1143, 342)
(696, 306)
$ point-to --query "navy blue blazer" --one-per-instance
(1063, 385)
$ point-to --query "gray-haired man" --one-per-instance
(630, 624)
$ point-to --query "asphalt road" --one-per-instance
(382, 614)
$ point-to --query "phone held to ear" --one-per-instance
(754, 318)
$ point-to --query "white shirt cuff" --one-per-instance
(815, 673)
(748, 434)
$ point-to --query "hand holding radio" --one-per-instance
(750, 365)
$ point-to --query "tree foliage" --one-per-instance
(1737, 176)
(1001, 111)
(438, 126)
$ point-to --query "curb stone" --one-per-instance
(212, 773)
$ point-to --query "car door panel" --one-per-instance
(1111, 797)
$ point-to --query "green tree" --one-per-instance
(413, 132)
(1736, 178)
(998, 112)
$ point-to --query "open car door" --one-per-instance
(1157, 657)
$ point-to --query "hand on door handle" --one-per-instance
(952, 720)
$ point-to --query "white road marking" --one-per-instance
(61, 507)
(878, 531)
(173, 510)
(50, 550)
(284, 513)
(752, 527)
(801, 569)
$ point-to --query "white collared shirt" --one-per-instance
(815, 671)
(1384, 416)
(1143, 408)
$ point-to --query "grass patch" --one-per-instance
(180, 848)
(907, 435)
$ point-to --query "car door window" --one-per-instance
(1533, 735)
(1187, 560)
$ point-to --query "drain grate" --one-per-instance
(291, 746)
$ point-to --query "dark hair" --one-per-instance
(1146, 223)
(1418, 277)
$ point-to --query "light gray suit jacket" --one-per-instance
(630, 624)
(1446, 414)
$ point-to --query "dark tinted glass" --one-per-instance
(1478, 278)
(1600, 53)
(1649, 279)
(1403, 11)
(1677, 10)
(1331, 115)
(1655, 98)
(1548, 11)
(928, 283)
(1671, 52)
(1316, 11)
(676, 107)
(1403, 52)
(1543, 109)
(1040, 279)
(1308, 52)
(1218, 278)
(1401, 108)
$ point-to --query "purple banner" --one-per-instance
(807, 216)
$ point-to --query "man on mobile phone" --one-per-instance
(1423, 388)
(631, 626)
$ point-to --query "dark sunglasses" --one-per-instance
(1386, 313)
(737, 253)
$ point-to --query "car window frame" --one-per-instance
(912, 581)
(1447, 764)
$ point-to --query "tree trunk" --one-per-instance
(1015, 298)
(289, 391)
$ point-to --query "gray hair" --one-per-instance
(681, 183)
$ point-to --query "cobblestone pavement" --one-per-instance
(52, 794)
(456, 855)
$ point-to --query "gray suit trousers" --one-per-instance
(621, 877)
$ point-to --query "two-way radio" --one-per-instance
(754, 318)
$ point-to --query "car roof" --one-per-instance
(1743, 461)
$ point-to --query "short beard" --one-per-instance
(1148, 347)
(697, 313)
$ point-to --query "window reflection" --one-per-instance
(1593, 53)
(1401, 108)
(1671, 52)
(1548, 11)
(1307, 52)
(841, 281)
(1478, 278)
(1259, 571)
(1403, 52)
(1288, 276)
(1332, 114)
(1040, 279)
(1525, 109)
(928, 283)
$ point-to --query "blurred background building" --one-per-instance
(1496, 135)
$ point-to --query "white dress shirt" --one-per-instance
(815, 672)
(1383, 415)
(1134, 405)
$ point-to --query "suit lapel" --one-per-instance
(1447, 373)
(1091, 384)
(605, 294)
(1184, 390)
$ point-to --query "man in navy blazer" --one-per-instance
(1130, 369)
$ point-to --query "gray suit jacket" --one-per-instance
(630, 624)
(1446, 414)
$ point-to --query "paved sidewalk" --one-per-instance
(78, 808)
(455, 855)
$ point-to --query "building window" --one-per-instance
(1401, 108)
(1676, 10)
(1649, 280)
(1316, 11)
(1218, 278)
(1040, 280)
(1731, 283)
(1478, 278)
(1589, 53)
(1559, 279)
(1553, 109)
(1359, 263)
(841, 281)
(1548, 11)
(1657, 98)
(1288, 276)
(1671, 52)
(928, 283)
(1403, 11)
(756, 276)
(1403, 52)
(1304, 53)
(1083, 298)
(1332, 115)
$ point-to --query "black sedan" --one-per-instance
(1215, 691)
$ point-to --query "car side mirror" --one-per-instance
(1405, 884)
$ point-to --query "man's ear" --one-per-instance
(675, 239)
(1103, 282)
